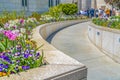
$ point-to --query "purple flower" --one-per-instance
(25, 67)
(26, 55)
(18, 47)
(5, 66)
(27, 51)
(37, 54)
(1, 69)
(17, 54)
(1, 65)
(18, 61)
(22, 21)
(6, 58)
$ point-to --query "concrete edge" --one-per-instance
(65, 75)
(105, 28)
(116, 31)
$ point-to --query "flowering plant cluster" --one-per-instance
(17, 51)
(111, 22)
(47, 18)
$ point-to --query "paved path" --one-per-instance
(74, 42)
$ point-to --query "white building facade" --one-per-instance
(85, 4)
(29, 5)
(43, 5)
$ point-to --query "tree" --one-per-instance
(115, 3)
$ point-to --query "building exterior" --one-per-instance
(20, 5)
(43, 5)
(85, 4)
(29, 5)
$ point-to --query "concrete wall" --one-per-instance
(106, 39)
(16, 5)
(100, 3)
(38, 5)
(10, 5)
(66, 1)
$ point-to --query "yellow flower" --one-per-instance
(3, 74)
(31, 42)
(0, 74)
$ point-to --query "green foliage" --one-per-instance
(112, 22)
(55, 12)
(36, 15)
(6, 16)
(69, 9)
(62, 9)
(101, 22)
(115, 3)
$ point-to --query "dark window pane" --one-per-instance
(23, 3)
(49, 3)
(56, 2)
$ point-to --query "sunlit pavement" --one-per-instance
(74, 42)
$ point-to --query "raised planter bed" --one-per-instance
(60, 66)
(106, 39)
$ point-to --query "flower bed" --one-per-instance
(17, 51)
(112, 22)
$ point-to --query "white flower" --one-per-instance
(16, 32)
(1, 30)
(20, 35)
(22, 30)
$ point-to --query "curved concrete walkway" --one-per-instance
(74, 42)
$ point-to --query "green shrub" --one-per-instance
(69, 9)
(55, 12)
(36, 15)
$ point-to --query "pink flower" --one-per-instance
(11, 36)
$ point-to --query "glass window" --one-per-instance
(57, 2)
(50, 3)
(24, 3)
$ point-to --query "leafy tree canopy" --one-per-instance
(115, 3)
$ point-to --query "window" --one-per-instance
(57, 2)
(24, 3)
(50, 3)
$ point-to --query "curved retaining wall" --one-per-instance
(106, 39)
(60, 66)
